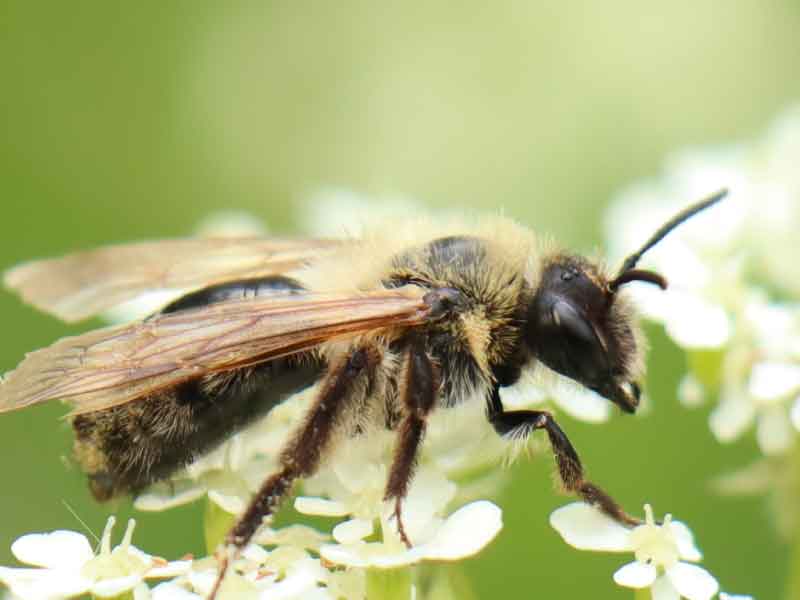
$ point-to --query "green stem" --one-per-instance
(389, 584)
(642, 594)
(216, 524)
(793, 577)
(123, 596)
(447, 582)
(793, 583)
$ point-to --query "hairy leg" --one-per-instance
(418, 391)
(522, 423)
(302, 454)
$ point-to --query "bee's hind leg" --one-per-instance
(418, 391)
(519, 424)
(302, 454)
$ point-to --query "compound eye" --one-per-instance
(566, 317)
(567, 342)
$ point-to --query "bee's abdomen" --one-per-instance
(125, 448)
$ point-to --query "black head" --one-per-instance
(577, 326)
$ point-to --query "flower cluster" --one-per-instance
(68, 567)
(733, 301)
(663, 552)
(296, 561)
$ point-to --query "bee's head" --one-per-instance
(579, 327)
(576, 327)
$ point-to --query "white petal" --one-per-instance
(141, 306)
(731, 417)
(352, 530)
(172, 569)
(691, 392)
(685, 540)
(724, 596)
(586, 528)
(795, 414)
(320, 507)
(664, 590)
(773, 380)
(141, 592)
(31, 583)
(231, 224)
(44, 583)
(774, 432)
(300, 536)
(170, 590)
(522, 394)
(107, 588)
(231, 503)
(58, 549)
(352, 555)
(295, 585)
(582, 404)
(695, 323)
(428, 497)
(203, 581)
(692, 581)
(635, 575)
(317, 593)
(162, 496)
(255, 553)
(465, 532)
(373, 554)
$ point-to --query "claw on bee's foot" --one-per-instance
(401, 530)
(225, 555)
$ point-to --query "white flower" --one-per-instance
(734, 292)
(724, 596)
(344, 213)
(284, 573)
(545, 389)
(464, 533)
(354, 486)
(660, 551)
(70, 567)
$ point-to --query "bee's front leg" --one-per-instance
(519, 424)
(302, 454)
(419, 384)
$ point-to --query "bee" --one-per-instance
(406, 320)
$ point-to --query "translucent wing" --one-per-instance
(80, 285)
(111, 366)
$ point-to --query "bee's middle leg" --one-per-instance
(302, 454)
(418, 391)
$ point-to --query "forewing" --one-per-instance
(80, 285)
(111, 366)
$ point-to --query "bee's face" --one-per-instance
(572, 328)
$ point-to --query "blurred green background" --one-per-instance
(123, 121)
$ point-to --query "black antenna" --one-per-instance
(659, 235)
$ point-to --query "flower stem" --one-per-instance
(123, 596)
(793, 576)
(793, 582)
(642, 594)
(216, 523)
(389, 584)
(448, 582)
